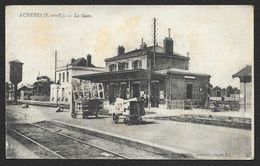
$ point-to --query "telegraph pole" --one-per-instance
(152, 65)
(154, 41)
(55, 54)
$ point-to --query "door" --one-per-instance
(136, 90)
(112, 98)
(155, 94)
(123, 91)
(189, 91)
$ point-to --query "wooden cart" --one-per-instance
(87, 99)
(132, 112)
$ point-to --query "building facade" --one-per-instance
(245, 77)
(157, 74)
(61, 91)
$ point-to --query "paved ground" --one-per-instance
(206, 141)
(177, 112)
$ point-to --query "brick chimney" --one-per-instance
(72, 60)
(120, 50)
(143, 44)
(168, 44)
(89, 60)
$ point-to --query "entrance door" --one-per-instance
(155, 94)
(189, 91)
(136, 90)
(123, 91)
(112, 97)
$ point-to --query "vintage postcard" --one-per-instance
(129, 82)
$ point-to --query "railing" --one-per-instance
(233, 98)
(184, 104)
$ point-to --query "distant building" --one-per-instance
(61, 91)
(25, 92)
(245, 77)
(9, 91)
(224, 94)
(165, 77)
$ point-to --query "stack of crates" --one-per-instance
(84, 92)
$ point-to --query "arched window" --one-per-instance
(112, 67)
(137, 64)
(63, 76)
(67, 76)
(122, 66)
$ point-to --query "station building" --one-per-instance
(154, 73)
(245, 78)
(61, 91)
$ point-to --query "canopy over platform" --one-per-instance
(125, 75)
(181, 72)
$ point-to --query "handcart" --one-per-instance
(131, 110)
(87, 99)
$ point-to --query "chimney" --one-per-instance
(188, 54)
(89, 60)
(120, 50)
(168, 43)
(72, 60)
(143, 44)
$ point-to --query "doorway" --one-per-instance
(123, 91)
(112, 95)
(189, 91)
(136, 90)
(155, 94)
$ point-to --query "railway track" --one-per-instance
(52, 141)
(53, 144)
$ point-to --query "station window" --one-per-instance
(122, 66)
(67, 76)
(218, 94)
(112, 67)
(137, 64)
(59, 77)
(63, 76)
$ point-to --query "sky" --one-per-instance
(219, 39)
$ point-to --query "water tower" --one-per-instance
(16, 72)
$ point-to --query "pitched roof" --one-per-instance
(16, 61)
(28, 87)
(246, 71)
(180, 71)
(81, 62)
(144, 51)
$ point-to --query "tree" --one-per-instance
(42, 86)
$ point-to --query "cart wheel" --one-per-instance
(115, 119)
(73, 115)
(140, 120)
(84, 115)
(128, 121)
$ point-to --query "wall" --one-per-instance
(248, 95)
(129, 60)
(164, 62)
(176, 88)
(74, 70)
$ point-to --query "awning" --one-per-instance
(125, 75)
